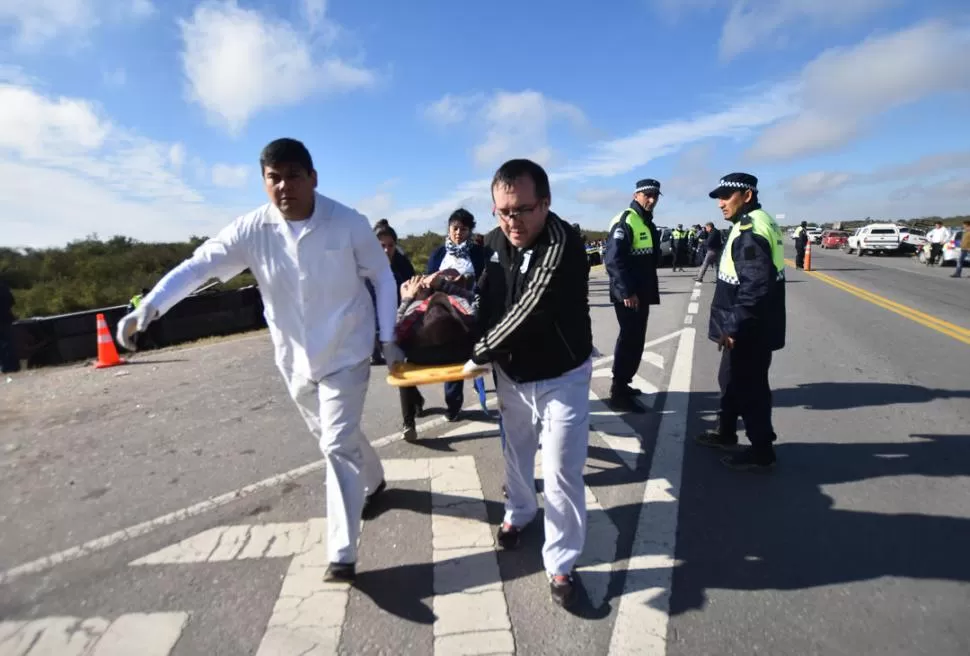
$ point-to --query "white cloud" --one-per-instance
(380, 203)
(624, 154)
(515, 123)
(751, 23)
(10, 74)
(692, 176)
(232, 176)
(770, 24)
(37, 22)
(32, 125)
(474, 195)
(452, 108)
(71, 171)
(916, 172)
(816, 182)
(603, 197)
(518, 124)
(239, 62)
(844, 87)
(176, 156)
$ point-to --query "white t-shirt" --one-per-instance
(297, 228)
(462, 265)
(938, 235)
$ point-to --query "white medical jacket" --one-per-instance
(319, 312)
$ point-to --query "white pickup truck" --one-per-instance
(874, 238)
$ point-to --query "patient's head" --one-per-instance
(441, 324)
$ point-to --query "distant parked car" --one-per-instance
(852, 243)
(815, 235)
(874, 238)
(911, 239)
(952, 248)
(834, 239)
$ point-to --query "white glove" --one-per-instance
(393, 355)
(135, 322)
(478, 369)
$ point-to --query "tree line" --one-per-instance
(94, 273)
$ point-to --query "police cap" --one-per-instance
(648, 186)
(733, 182)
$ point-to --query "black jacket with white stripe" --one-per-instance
(534, 304)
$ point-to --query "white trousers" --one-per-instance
(555, 411)
(332, 408)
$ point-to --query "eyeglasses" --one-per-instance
(508, 215)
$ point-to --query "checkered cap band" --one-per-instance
(735, 185)
(648, 188)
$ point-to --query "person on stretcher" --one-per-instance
(437, 319)
(437, 324)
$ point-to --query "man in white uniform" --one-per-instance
(310, 256)
(937, 237)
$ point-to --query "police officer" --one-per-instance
(747, 322)
(678, 247)
(801, 240)
(631, 259)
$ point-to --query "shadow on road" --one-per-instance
(844, 396)
(781, 532)
(740, 531)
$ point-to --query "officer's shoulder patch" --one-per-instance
(750, 252)
(619, 233)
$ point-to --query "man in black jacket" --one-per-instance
(801, 243)
(534, 304)
(631, 259)
(712, 250)
(747, 322)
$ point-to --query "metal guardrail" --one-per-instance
(61, 339)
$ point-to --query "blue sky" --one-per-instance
(144, 118)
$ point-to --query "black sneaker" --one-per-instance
(751, 459)
(508, 536)
(410, 433)
(620, 402)
(630, 391)
(370, 507)
(562, 590)
(716, 440)
(453, 415)
(340, 573)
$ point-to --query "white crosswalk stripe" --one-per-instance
(145, 634)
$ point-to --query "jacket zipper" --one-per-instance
(564, 342)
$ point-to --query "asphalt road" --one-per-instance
(130, 511)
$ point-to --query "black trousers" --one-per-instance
(410, 400)
(800, 257)
(679, 253)
(629, 343)
(745, 393)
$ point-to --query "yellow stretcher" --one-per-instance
(412, 375)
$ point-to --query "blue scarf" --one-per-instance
(455, 250)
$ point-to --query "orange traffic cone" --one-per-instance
(107, 353)
(808, 256)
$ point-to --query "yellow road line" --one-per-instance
(958, 333)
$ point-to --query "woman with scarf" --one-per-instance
(462, 255)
